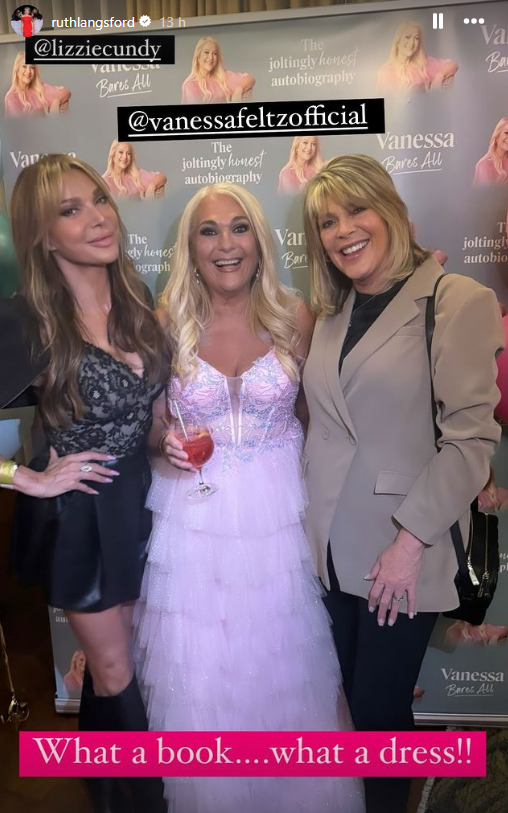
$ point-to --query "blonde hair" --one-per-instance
(218, 73)
(418, 60)
(132, 325)
(35, 85)
(132, 170)
(493, 152)
(187, 302)
(316, 163)
(357, 180)
(73, 667)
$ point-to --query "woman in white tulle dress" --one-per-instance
(231, 633)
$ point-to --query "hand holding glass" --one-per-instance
(197, 443)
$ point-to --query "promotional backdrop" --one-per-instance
(441, 116)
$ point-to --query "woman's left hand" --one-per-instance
(394, 574)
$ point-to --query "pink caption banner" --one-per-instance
(257, 753)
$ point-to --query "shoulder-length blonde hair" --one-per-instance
(132, 170)
(493, 150)
(355, 180)
(418, 60)
(187, 302)
(132, 325)
(316, 163)
(218, 73)
(35, 85)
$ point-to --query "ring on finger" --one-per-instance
(86, 467)
(398, 599)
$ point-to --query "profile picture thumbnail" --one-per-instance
(26, 21)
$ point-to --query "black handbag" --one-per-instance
(478, 563)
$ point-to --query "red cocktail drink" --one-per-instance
(199, 448)
(197, 443)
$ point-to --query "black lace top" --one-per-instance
(118, 408)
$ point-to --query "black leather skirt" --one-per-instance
(87, 551)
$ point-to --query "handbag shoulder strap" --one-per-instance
(430, 320)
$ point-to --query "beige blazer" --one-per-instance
(370, 461)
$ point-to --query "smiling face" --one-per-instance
(306, 149)
(26, 75)
(223, 245)
(409, 42)
(502, 140)
(208, 58)
(356, 240)
(80, 661)
(86, 231)
(122, 157)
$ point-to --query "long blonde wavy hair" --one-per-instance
(316, 163)
(132, 170)
(493, 151)
(418, 60)
(355, 180)
(187, 302)
(218, 73)
(132, 325)
(35, 85)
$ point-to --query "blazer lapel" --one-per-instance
(398, 312)
(337, 329)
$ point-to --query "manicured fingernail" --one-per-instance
(111, 457)
(411, 615)
(366, 577)
(115, 473)
(371, 609)
(381, 623)
(96, 493)
(391, 623)
(108, 480)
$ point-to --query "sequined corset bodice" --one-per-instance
(249, 414)
(118, 408)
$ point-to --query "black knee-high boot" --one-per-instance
(126, 712)
(105, 793)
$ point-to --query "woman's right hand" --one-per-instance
(171, 449)
(64, 474)
(437, 82)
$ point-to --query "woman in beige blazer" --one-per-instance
(381, 499)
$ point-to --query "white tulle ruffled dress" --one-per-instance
(231, 633)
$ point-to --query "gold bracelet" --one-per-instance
(8, 469)
(161, 443)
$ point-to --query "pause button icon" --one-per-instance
(437, 20)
